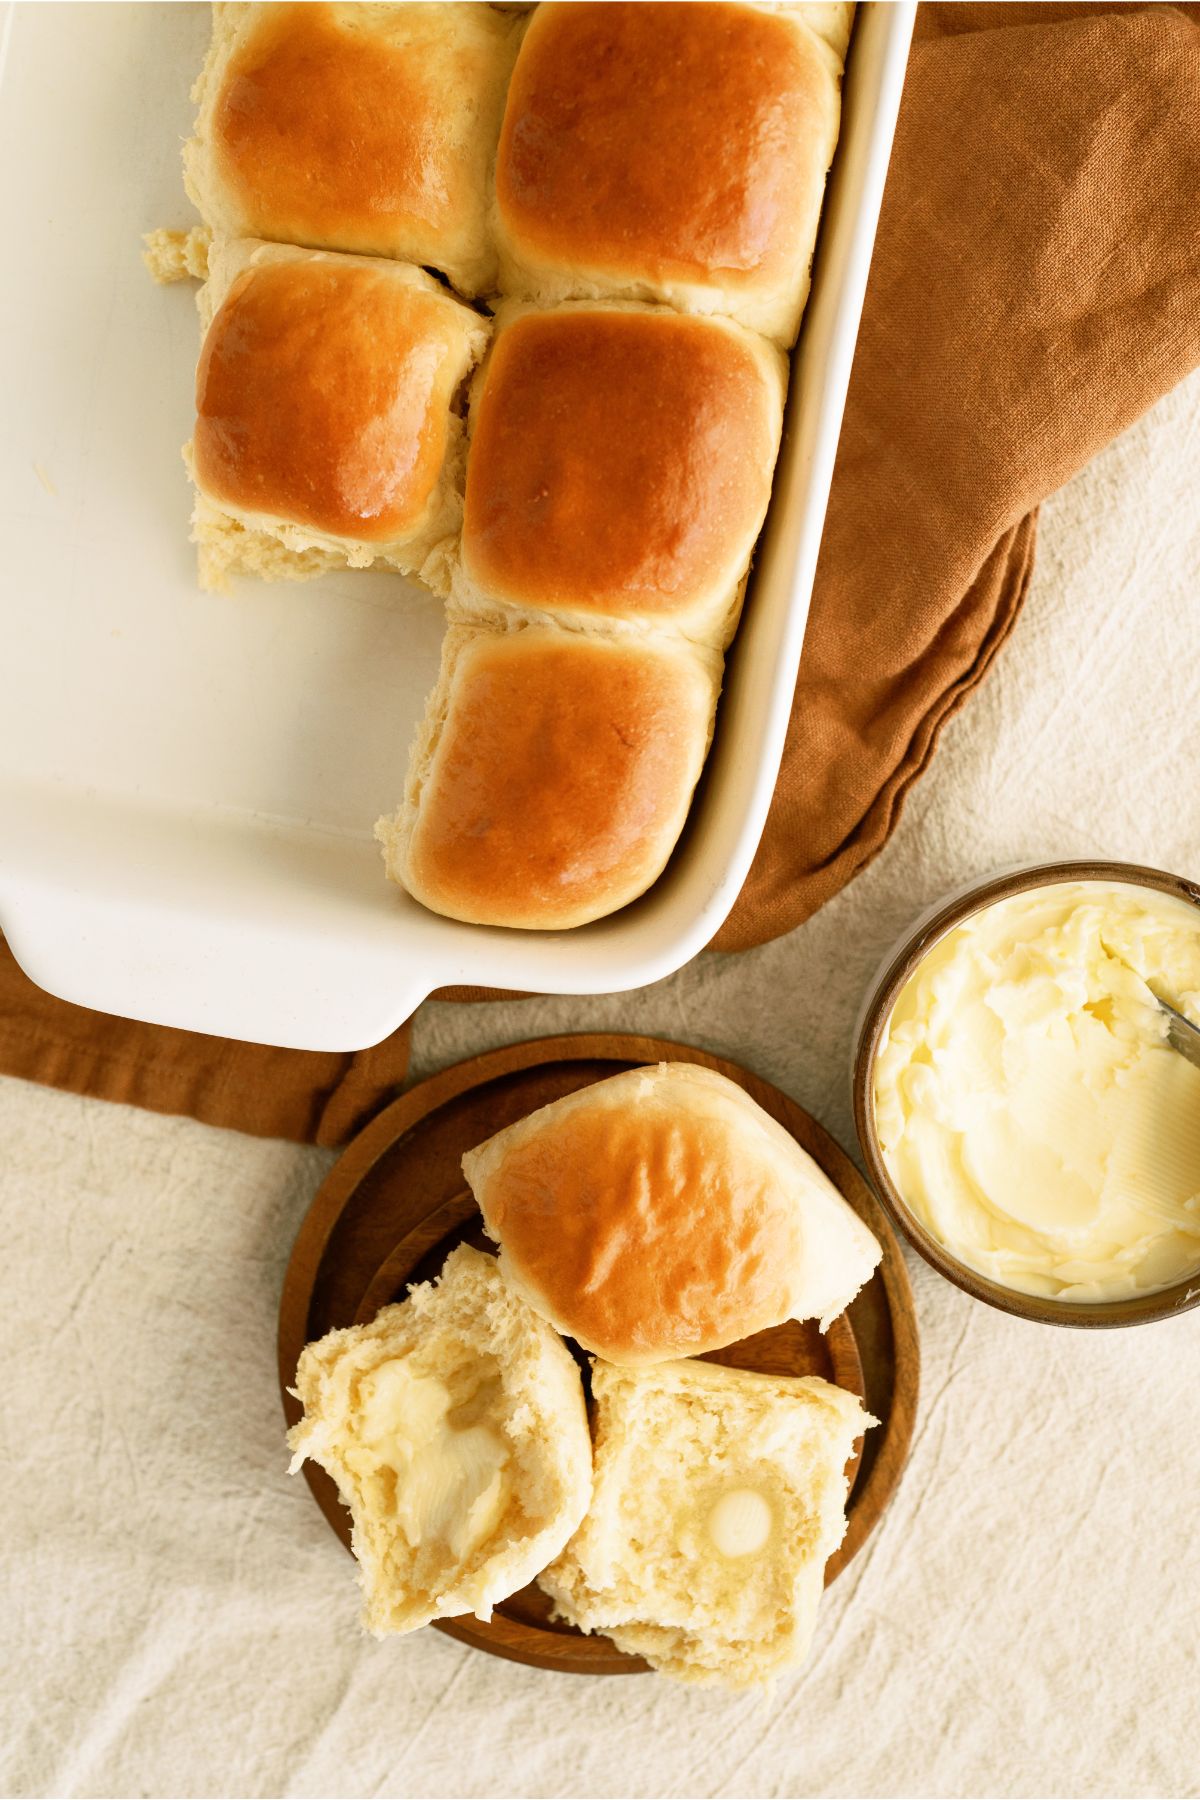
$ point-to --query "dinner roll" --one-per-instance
(719, 1497)
(662, 1213)
(620, 466)
(674, 153)
(327, 398)
(368, 128)
(552, 774)
(454, 1426)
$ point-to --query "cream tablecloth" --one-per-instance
(175, 1614)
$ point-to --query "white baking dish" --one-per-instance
(188, 782)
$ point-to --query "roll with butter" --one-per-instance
(454, 1426)
(720, 1496)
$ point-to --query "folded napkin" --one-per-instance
(1035, 286)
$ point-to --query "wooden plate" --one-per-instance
(394, 1205)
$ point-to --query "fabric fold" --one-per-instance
(1035, 286)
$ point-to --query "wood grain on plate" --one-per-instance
(394, 1205)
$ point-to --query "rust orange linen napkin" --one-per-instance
(308, 1095)
(1035, 285)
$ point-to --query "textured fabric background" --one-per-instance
(313, 1096)
(175, 1615)
(1033, 289)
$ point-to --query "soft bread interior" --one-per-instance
(174, 256)
(454, 1426)
(719, 1497)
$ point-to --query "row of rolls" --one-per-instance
(500, 299)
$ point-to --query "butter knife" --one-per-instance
(1182, 1035)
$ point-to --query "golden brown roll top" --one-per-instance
(325, 401)
(651, 163)
(552, 775)
(618, 473)
(662, 1214)
(620, 466)
(367, 128)
(670, 152)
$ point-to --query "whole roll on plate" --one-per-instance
(662, 1214)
